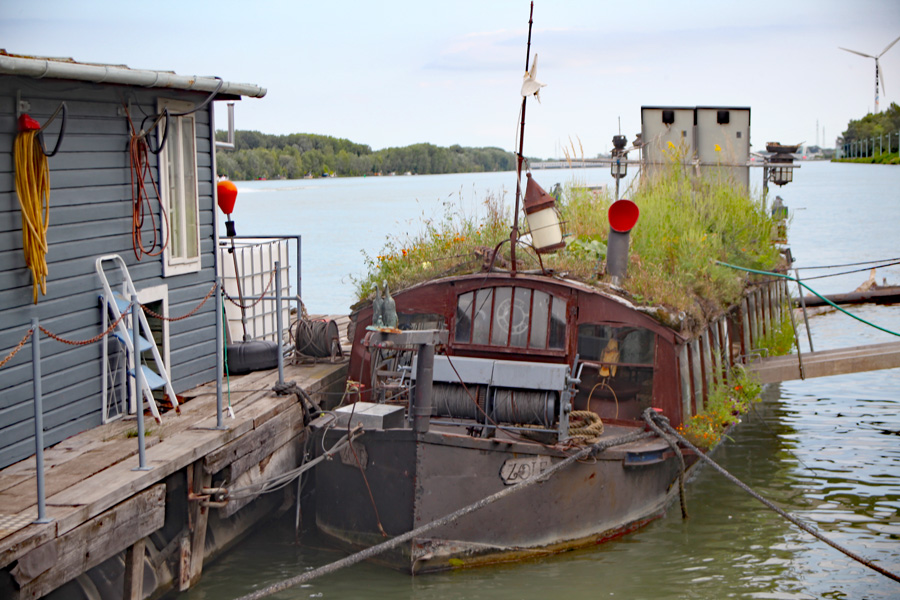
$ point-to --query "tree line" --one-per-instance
(298, 155)
(874, 125)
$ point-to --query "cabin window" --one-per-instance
(178, 189)
(514, 317)
(618, 380)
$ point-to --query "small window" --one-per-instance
(619, 382)
(178, 189)
(514, 317)
(622, 345)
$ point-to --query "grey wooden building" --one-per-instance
(91, 214)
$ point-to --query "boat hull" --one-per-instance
(415, 479)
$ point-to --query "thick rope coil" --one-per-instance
(585, 426)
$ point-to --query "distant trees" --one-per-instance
(294, 156)
(874, 125)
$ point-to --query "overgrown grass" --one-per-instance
(685, 226)
(453, 244)
(780, 340)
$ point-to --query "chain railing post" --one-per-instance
(279, 334)
(220, 348)
(138, 382)
(38, 420)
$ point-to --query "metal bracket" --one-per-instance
(22, 106)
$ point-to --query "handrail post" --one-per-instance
(279, 335)
(805, 316)
(138, 382)
(38, 420)
(220, 368)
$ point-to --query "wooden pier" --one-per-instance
(100, 506)
(823, 363)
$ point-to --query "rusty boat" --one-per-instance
(520, 359)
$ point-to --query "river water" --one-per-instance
(826, 450)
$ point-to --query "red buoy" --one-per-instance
(623, 214)
(226, 193)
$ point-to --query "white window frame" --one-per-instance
(173, 152)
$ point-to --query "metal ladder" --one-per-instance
(112, 305)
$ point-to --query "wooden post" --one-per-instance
(195, 539)
(134, 571)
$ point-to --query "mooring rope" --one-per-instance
(663, 422)
(277, 483)
(673, 444)
(396, 541)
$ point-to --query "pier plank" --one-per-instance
(92, 472)
(94, 541)
(828, 362)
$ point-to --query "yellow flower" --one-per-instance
(718, 148)
(671, 145)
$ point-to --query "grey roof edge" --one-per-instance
(55, 69)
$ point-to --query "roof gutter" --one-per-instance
(54, 69)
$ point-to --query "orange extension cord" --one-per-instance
(33, 189)
(139, 152)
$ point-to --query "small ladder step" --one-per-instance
(143, 343)
(154, 380)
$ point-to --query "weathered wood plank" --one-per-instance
(134, 571)
(257, 444)
(828, 362)
(198, 515)
(96, 540)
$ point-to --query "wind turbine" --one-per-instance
(878, 75)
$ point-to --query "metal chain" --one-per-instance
(173, 319)
(96, 338)
(18, 347)
(258, 300)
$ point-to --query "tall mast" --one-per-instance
(514, 234)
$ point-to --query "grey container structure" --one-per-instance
(90, 215)
(714, 138)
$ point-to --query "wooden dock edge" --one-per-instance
(121, 505)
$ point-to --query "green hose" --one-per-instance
(783, 276)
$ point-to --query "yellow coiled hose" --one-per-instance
(33, 189)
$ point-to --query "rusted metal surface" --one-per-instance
(582, 505)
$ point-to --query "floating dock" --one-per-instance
(101, 507)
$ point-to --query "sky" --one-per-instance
(396, 72)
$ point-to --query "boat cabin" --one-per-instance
(623, 359)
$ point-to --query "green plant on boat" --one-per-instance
(451, 245)
(686, 225)
(727, 401)
(779, 340)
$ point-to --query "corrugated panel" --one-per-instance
(90, 216)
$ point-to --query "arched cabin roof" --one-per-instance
(439, 296)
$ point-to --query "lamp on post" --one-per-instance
(618, 167)
(542, 218)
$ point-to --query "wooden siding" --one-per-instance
(90, 216)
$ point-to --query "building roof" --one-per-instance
(67, 68)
